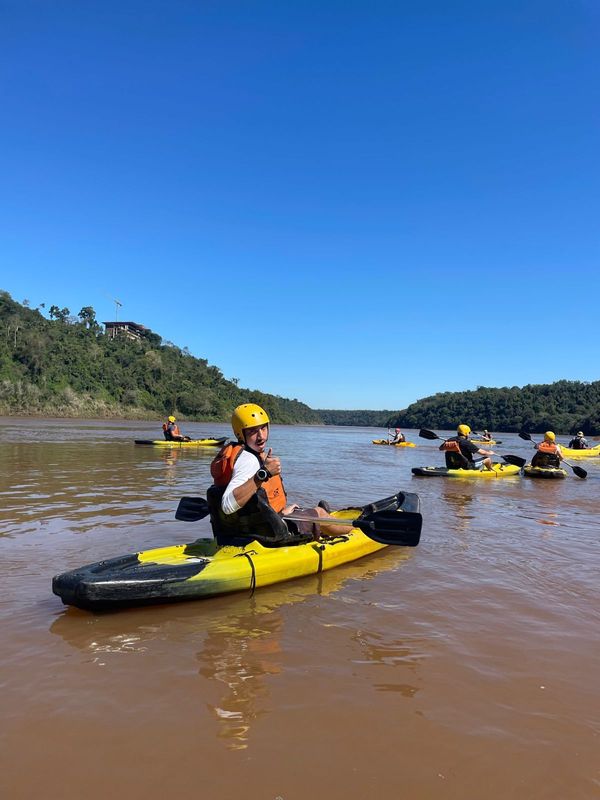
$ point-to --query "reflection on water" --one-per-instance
(239, 655)
(459, 503)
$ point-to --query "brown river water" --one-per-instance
(465, 668)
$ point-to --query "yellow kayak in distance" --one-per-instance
(498, 471)
(589, 452)
(192, 443)
(484, 441)
(398, 444)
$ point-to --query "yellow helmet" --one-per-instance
(464, 430)
(550, 436)
(247, 416)
(171, 418)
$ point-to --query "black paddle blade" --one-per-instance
(392, 527)
(579, 471)
(526, 436)
(425, 434)
(191, 509)
(515, 460)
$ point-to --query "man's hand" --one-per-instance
(272, 463)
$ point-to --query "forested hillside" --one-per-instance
(331, 416)
(68, 366)
(564, 407)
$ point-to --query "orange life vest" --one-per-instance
(451, 446)
(547, 447)
(221, 470)
(174, 431)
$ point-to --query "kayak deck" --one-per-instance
(192, 443)
(498, 471)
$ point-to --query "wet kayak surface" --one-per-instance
(469, 661)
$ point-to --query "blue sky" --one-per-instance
(354, 204)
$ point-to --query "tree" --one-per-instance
(87, 315)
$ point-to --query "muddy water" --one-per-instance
(467, 667)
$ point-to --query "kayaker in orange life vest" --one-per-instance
(172, 432)
(248, 499)
(459, 452)
(548, 452)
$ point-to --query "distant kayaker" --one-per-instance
(578, 442)
(548, 452)
(248, 500)
(398, 438)
(487, 436)
(460, 453)
(172, 433)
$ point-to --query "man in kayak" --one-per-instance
(487, 436)
(460, 453)
(578, 442)
(248, 500)
(548, 452)
(399, 437)
(172, 432)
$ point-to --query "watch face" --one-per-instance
(262, 474)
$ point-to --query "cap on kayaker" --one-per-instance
(550, 436)
(397, 430)
(579, 433)
(464, 430)
(248, 415)
(171, 418)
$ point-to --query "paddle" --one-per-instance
(579, 471)
(514, 460)
(385, 522)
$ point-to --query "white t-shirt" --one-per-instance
(244, 468)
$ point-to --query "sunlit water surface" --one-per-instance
(465, 668)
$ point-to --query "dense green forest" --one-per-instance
(67, 366)
(564, 407)
(375, 419)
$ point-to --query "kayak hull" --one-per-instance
(204, 569)
(551, 473)
(484, 441)
(398, 444)
(498, 471)
(192, 443)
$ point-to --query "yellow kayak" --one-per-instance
(498, 471)
(483, 441)
(398, 444)
(192, 443)
(205, 569)
(589, 452)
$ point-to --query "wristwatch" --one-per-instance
(262, 475)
